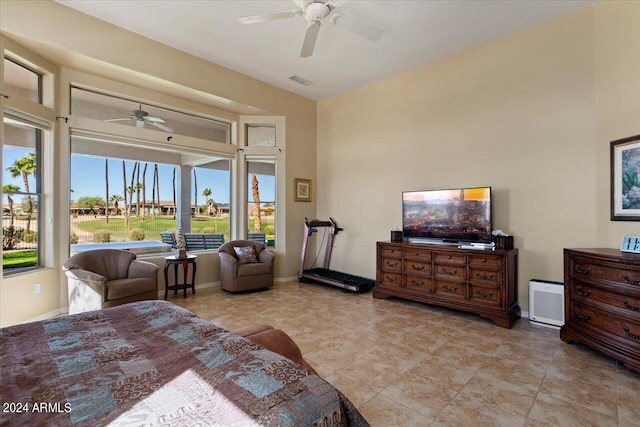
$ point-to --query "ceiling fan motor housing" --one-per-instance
(316, 12)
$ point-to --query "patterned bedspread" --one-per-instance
(153, 363)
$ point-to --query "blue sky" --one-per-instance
(87, 178)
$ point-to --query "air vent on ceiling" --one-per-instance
(300, 80)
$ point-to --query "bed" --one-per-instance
(154, 363)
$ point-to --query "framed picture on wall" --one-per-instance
(625, 179)
(302, 190)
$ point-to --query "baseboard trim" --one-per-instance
(49, 315)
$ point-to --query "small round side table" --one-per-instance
(184, 262)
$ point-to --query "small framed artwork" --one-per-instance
(625, 179)
(302, 190)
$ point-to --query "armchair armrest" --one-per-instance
(226, 258)
(142, 269)
(266, 257)
(89, 278)
(87, 290)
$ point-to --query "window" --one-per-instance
(261, 136)
(261, 199)
(21, 81)
(115, 109)
(211, 198)
(127, 193)
(21, 216)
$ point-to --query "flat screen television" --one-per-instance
(457, 215)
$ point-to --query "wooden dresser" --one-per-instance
(602, 302)
(483, 282)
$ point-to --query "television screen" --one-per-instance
(455, 215)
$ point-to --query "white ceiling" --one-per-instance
(415, 32)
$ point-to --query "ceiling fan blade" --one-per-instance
(269, 17)
(310, 39)
(154, 119)
(356, 26)
(161, 126)
(118, 120)
(336, 3)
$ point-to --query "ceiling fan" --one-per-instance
(141, 117)
(314, 11)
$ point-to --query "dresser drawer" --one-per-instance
(485, 261)
(391, 264)
(391, 251)
(413, 282)
(627, 304)
(391, 279)
(592, 271)
(485, 295)
(450, 289)
(622, 327)
(414, 266)
(448, 272)
(418, 253)
(486, 276)
(449, 258)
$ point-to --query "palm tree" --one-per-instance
(124, 191)
(8, 189)
(115, 199)
(174, 192)
(24, 167)
(206, 193)
(153, 191)
(131, 189)
(144, 189)
(257, 219)
(106, 180)
(195, 183)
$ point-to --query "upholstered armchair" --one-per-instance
(108, 277)
(245, 265)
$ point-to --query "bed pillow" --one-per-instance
(245, 254)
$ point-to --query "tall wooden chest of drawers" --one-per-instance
(602, 302)
(478, 281)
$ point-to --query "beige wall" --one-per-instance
(524, 114)
(530, 114)
(617, 53)
(77, 41)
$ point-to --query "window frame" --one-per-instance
(39, 116)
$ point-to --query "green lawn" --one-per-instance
(19, 258)
(153, 227)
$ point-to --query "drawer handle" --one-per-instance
(484, 260)
(626, 331)
(582, 271)
(418, 267)
(449, 272)
(483, 295)
(484, 276)
(582, 316)
(632, 282)
(390, 264)
(629, 307)
(449, 289)
(584, 294)
(418, 284)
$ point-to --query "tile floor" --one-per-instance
(410, 364)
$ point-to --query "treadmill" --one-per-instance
(346, 281)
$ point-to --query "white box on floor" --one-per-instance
(546, 303)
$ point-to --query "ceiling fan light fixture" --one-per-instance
(316, 12)
(139, 123)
